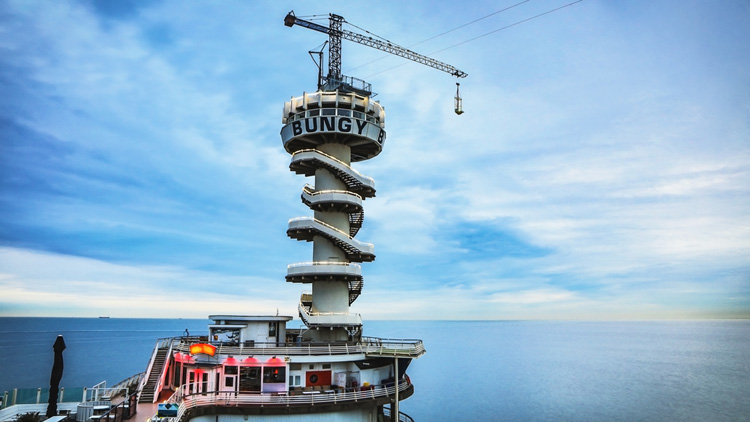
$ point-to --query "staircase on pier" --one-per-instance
(159, 360)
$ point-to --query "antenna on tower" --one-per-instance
(319, 63)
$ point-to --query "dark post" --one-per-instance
(54, 380)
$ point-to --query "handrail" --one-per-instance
(128, 382)
(159, 344)
(368, 346)
(324, 99)
(120, 411)
(163, 376)
(223, 398)
(338, 319)
(321, 313)
(336, 230)
(310, 190)
(309, 263)
(336, 160)
(144, 380)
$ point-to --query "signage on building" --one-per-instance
(202, 348)
(333, 124)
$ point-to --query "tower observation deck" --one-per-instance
(325, 132)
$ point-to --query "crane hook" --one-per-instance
(459, 108)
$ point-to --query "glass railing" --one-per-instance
(41, 396)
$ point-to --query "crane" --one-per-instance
(336, 80)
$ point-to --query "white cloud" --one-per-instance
(47, 284)
(586, 141)
(532, 296)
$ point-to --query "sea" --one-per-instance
(473, 370)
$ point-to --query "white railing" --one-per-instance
(160, 343)
(163, 375)
(368, 345)
(307, 296)
(320, 99)
(310, 190)
(370, 182)
(312, 263)
(231, 399)
(331, 231)
(393, 347)
(326, 318)
(129, 382)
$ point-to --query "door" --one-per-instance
(197, 382)
(231, 374)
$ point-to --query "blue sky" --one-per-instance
(601, 170)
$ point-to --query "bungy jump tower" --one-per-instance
(251, 368)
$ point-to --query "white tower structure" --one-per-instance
(325, 132)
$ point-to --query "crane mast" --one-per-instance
(335, 79)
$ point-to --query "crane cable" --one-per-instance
(509, 26)
(483, 35)
(472, 22)
(435, 36)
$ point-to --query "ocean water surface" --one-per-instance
(473, 370)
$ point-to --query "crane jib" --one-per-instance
(336, 34)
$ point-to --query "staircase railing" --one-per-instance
(159, 385)
(160, 343)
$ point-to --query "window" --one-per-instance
(230, 370)
(271, 329)
(274, 374)
(329, 111)
(250, 378)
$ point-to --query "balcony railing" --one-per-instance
(366, 180)
(231, 399)
(371, 346)
(335, 268)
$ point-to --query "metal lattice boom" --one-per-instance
(336, 33)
